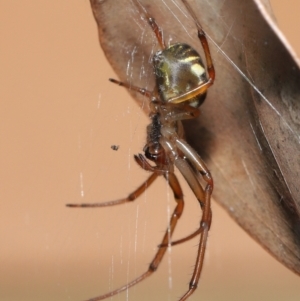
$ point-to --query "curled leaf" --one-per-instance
(249, 129)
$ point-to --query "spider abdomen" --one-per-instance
(179, 69)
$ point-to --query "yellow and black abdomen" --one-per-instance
(178, 70)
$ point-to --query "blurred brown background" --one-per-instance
(59, 117)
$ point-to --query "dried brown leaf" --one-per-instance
(249, 129)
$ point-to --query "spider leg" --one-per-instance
(198, 164)
(189, 168)
(131, 197)
(205, 222)
(203, 40)
(178, 195)
(188, 237)
(142, 162)
(182, 240)
(151, 21)
(133, 88)
(193, 157)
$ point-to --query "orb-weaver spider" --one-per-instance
(181, 86)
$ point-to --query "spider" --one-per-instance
(181, 86)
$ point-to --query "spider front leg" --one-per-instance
(130, 198)
(190, 176)
(181, 154)
(205, 222)
(199, 166)
(203, 196)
